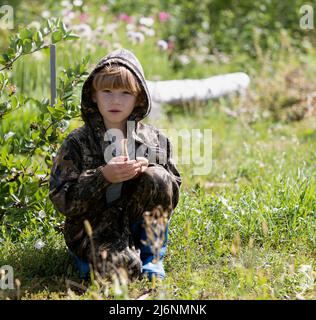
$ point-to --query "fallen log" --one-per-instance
(181, 92)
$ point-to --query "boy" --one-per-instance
(93, 180)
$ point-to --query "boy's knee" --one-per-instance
(151, 189)
(156, 176)
(109, 261)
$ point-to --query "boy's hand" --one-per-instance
(144, 165)
(121, 169)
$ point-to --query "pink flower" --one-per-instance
(164, 16)
(162, 45)
(125, 17)
(103, 8)
(170, 45)
(83, 17)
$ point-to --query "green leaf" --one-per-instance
(71, 36)
(44, 31)
(48, 24)
(16, 199)
(58, 114)
(5, 58)
(11, 52)
(62, 27)
(48, 160)
(82, 68)
(56, 36)
(26, 34)
(12, 39)
(3, 84)
(14, 102)
(42, 105)
(45, 102)
(38, 38)
(18, 45)
(57, 22)
(23, 100)
(27, 46)
(2, 60)
(67, 94)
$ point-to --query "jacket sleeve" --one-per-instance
(72, 190)
(169, 165)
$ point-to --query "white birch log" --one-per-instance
(180, 92)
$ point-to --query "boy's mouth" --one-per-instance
(114, 110)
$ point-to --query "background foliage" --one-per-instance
(246, 230)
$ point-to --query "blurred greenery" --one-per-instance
(246, 229)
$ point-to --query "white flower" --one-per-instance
(147, 31)
(39, 244)
(184, 59)
(225, 203)
(66, 3)
(130, 27)
(111, 28)
(162, 45)
(99, 29)
(135, 37)
(305, 268)
(205, 25)
(146, 21)
(8, 135)
(223, 57)
(307, 277)
(34, 24)
(38, 55)
(150, 32)
(78, 3)
(45, 14)
(91, 47)
(100, 22)
(83, 30)
(261, 165)
(42, 214)
(67, 14)
(117, 45)
(199, 58)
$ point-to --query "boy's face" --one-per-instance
(115, 105)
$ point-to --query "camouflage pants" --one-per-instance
(112, 247)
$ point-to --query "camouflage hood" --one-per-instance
(89, 109)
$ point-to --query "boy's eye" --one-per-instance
(106, 90)
(127, 92)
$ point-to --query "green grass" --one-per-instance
(245, 230)
(247, 239)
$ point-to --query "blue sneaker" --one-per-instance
(82, 266)
(151, 267)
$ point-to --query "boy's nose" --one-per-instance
(116, 97)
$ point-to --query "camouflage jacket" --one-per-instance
(77, 186)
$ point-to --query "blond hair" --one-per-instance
(115, 76)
